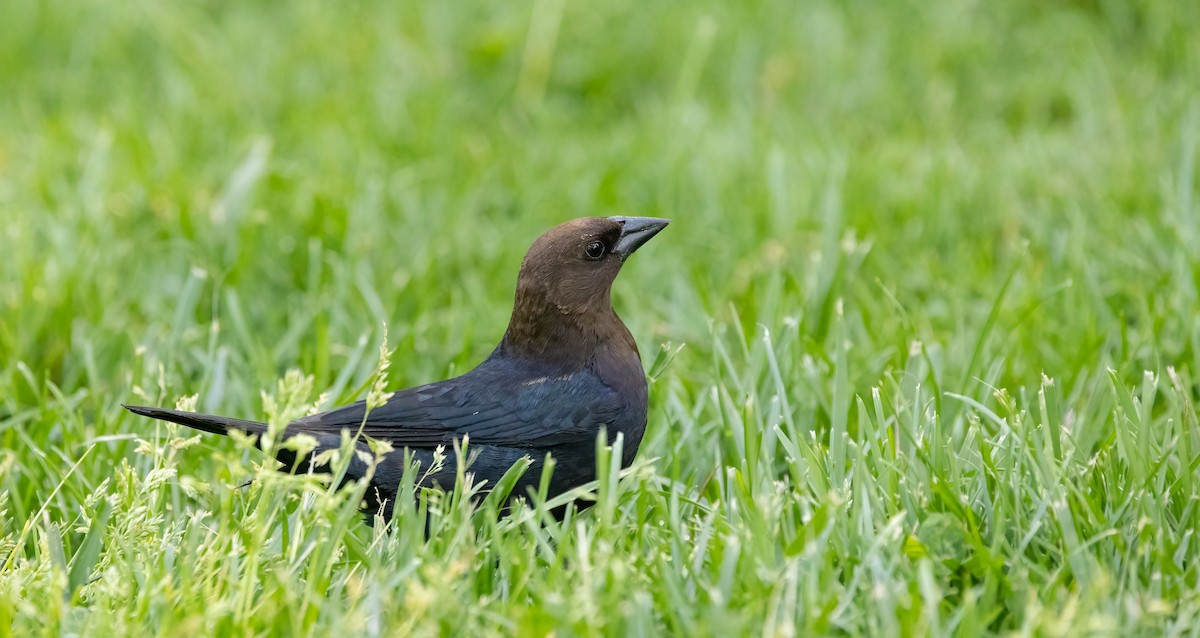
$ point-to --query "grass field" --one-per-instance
(924, 334)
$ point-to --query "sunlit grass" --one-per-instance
(923, 335)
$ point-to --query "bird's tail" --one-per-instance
(204, 422)
(223, 424)
(378, 496)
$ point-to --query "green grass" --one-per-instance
(932, 285)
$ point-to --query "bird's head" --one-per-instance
(572, 266)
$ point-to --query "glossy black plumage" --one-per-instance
(566, 367)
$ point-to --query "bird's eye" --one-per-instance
(594, 250)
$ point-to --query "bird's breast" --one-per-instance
(621, 370)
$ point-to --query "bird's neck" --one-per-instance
(543, 332)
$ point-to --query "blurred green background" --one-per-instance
(928, 198)
(330, 167)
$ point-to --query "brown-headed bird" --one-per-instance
(566, 367)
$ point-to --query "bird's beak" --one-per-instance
(636, 231)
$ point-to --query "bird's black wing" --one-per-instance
(493, 409)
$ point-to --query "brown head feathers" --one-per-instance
(563, 297)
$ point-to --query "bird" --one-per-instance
(565, 369)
